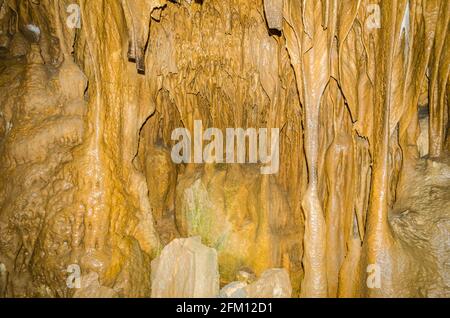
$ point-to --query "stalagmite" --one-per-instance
(321, 168)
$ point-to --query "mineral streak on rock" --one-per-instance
(358, 89)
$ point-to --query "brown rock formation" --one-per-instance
(358, 89)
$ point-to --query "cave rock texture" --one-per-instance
(92, 90)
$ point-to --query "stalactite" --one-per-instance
(357, 89)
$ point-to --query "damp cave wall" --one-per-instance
(345, 96)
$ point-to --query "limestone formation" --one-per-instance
(238, 212)
(185, 269)
(91, 288)
(91, 92)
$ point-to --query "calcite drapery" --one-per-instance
(342, 79)
(185, 269)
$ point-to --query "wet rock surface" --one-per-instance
(358, 90)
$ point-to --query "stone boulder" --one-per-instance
(273, 283)
(185, 269)
(234, 290)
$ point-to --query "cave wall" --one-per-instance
(83, 110)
